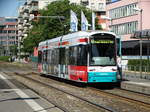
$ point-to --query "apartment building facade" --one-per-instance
(97, 6)
(27, 12)
(126, 18)
(8, 35)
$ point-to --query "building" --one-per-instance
(29, 9)
(97, 6)
(127, 17)
(8, 35)
(27, 12)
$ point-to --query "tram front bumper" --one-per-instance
(102, 77)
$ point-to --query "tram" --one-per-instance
(84, 56)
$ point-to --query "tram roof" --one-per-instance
(75, 34)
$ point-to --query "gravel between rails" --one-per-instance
(62, 100)
(118, 105)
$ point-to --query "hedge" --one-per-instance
(4, 58)
(134, 64)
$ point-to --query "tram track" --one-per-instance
(71, 94)
(94, 90)
(118, 96)
(104, 93)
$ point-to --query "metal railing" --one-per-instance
(134, 72)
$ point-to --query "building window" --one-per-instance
(92, 6)
(13, 37)
(3, 31)
(11, 31)
(101, 6)
(125, 28)
(11, 26)
(123, 11)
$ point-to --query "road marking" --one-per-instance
(2, 77)
(35, 106)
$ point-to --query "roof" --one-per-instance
(130, 44)
(134, 43)
(2, 21)
(141, 34)
(78, 34)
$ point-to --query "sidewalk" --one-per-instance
(136, 82)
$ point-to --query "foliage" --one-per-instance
(47, 28)
(4, 58)
(13, 49)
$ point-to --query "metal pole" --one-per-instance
(141, 41)
(93, 20)
(19, 52)
(148, 55)
(111, 24)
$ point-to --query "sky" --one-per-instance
(9, 7)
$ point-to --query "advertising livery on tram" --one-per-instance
(84, 56)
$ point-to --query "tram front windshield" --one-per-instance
(102, 50)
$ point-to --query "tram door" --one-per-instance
(119, 46)
(44, 62)
(119, 58)
(63, 62)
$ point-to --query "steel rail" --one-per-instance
(71, 94)
(139, 102)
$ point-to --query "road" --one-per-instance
(15, 97)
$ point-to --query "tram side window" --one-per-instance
(62, 56)
(49, 56)
(55, 56)
(39, 57)
(45, 56)
(73, 55)
(67, 55)
(82, 55)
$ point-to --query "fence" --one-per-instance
(134, 72)
(34, 62)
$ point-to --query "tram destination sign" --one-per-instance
(102, 41)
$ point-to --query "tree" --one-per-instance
(13, 50)
(47, 28)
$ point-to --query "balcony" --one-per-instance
(25, 16)
(20, 33)
(21, 8)
(20, 21)
(98, 7)
(25, 29)
(85, 2)
(33, 8)
(20, 27)
(26, 8)
(27, 24)
(31, 1)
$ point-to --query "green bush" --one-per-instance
(4, 58)
(134, 64)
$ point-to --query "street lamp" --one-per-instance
(140, 10)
